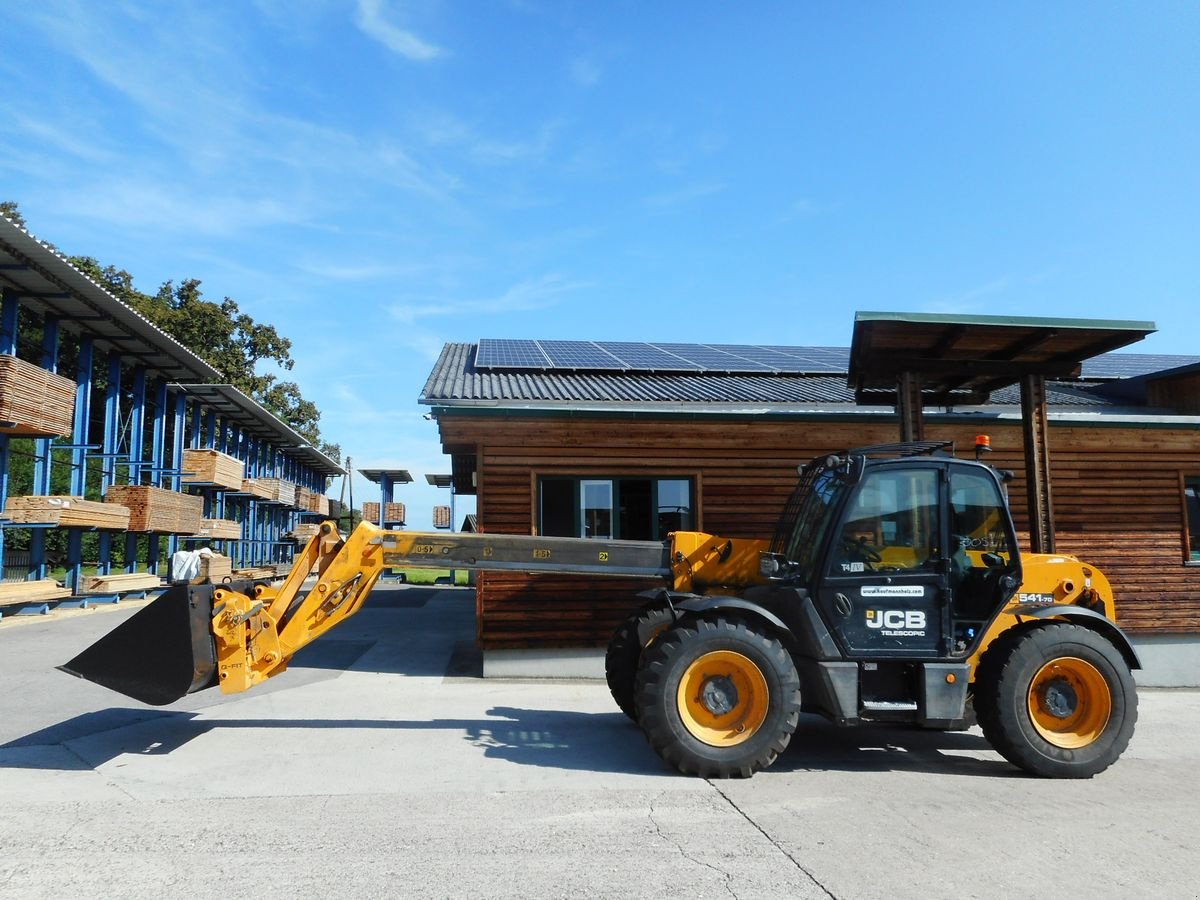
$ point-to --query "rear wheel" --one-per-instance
(717, 698)
(625, 649)
(1056, 699)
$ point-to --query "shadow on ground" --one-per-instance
(559, 739)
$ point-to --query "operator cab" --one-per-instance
(906, 551)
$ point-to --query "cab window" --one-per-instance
(891, 523)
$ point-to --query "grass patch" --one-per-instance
(430, 576)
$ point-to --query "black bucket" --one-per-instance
(162, 653)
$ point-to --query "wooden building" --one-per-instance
(636, 440)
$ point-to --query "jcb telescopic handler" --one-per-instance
(893, 591)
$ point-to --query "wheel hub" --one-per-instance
(1059, 698)
(719, 695)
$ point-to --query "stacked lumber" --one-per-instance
(311, 501)
(257, 574)
(212, 467)
(392, 512)
(220, 529)
(115, 583)
(281, 491)
(154, 509)
(303, 532)
(16, 592)
(441, 517)
(216, 567)
(33, 401)
(258, 488)
(66, 512)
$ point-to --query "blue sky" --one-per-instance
(377, 177)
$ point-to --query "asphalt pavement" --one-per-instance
(381, 765)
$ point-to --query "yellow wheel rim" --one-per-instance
(1069, 702)
(723, 698)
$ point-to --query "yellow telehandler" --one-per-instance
(892, 591)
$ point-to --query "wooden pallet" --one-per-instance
(158, 510)
(115, 583)
(66, 512)
(220, 529)
(17, 592)
(212, 467)
(33, 401)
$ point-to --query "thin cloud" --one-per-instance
(585, 71)
(372, 19)
(671, 200)
(524, 296)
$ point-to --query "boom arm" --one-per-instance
(256, 634)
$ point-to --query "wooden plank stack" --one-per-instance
(392, 512)
(66, 512)
(311, 501)
(16, 592)
(114, 583)
(258, 573)
(158, 510)
(216, 567)
(212, 467)
(33, 401)
(303, 532)
(220, 529)
(281, 491)
(441, 517)
(258, 488)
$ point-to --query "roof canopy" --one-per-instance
(395, 476)
(967, 357)
(38, 271)
(255, 419)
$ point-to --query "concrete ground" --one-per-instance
(380, 766)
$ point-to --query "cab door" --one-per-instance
(886, 583)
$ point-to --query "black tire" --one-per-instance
(740, 708)
(1056, 699)
(625, 652)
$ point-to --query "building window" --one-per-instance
(1191, 496)
(631, 509)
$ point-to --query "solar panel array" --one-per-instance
(634, 356)
(1131, 365)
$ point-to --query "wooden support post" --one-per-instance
(1037, 464)
(908, 405)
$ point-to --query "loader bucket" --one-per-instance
(159, 655)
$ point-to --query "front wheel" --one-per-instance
(1056, 699)
(717, 698)
(625, 650)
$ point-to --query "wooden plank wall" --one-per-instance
(1116, 492)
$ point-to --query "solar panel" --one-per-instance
(1131, 365)
(639, 357)
(510, 354)
(579, 355)
(713, 359)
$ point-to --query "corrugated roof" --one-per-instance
(456, 379)
(39, 273)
